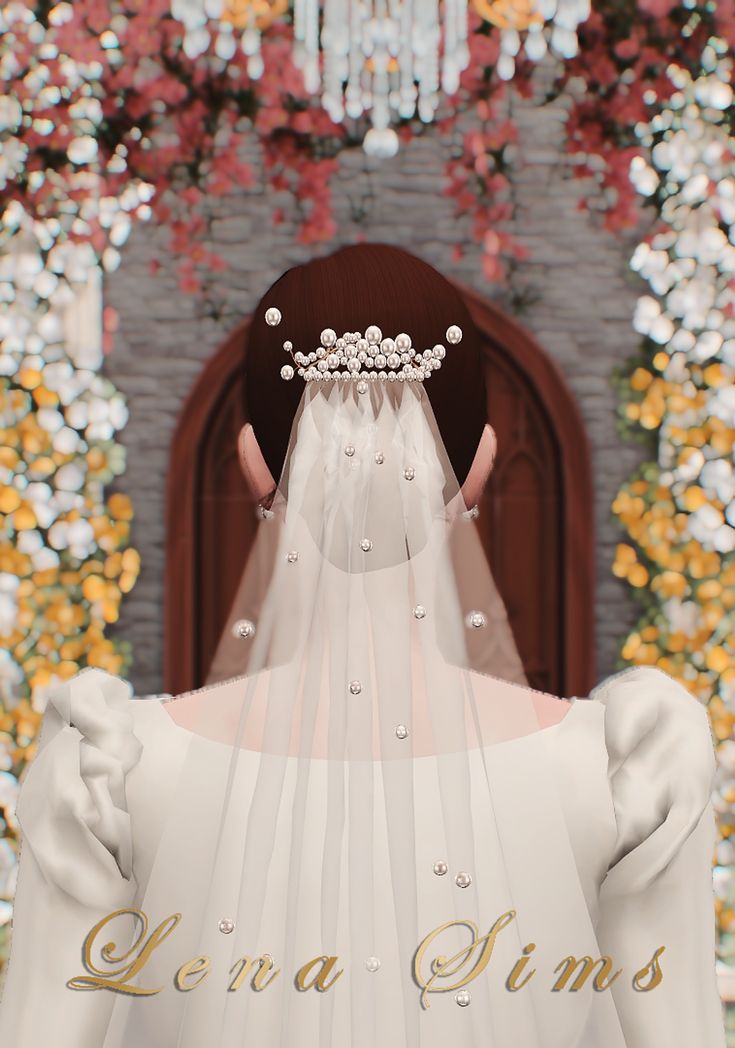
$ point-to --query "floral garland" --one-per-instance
(679, 510)
(105, 121)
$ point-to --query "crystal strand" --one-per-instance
(353, 90)
(299, 21)
(427, 47)
(463, 50)
(450, 70)
(250, 44)
(311, 47)
(407, 87)
(335, 47)
(380, 85)
(381, 140)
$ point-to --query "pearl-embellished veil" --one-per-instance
(386, 789)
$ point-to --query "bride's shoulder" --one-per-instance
(655, 729)
(72, 800)
(661, 767)
(102, 706)
(646, 708)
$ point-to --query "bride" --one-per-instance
(366, 829)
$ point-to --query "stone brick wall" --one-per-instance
(579, 294)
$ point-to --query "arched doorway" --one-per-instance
(536, 516)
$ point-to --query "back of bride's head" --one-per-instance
(359, 286)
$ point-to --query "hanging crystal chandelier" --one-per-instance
(533, 27)
(387, 60)
(221, 20)
(381, 58)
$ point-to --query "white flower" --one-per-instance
(82, 150)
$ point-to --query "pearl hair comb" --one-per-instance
(361, 357)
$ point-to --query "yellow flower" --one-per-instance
(120, 506)
(718, 659)
(640, 379)
(637, 575)
(670, 584)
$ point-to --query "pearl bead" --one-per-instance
(439, 352)
(419, 612)
(463, 880)
(403, 342)
(328, 337)
(362, 345)
(379, 458)
(288, 346)
(355, 687)
(379, 360)
(373, 334)
(440, 868)
(409, 473)
(272, 316)
(292, 557)
(476, 620)
(287, 372)
(349, 450)
(454, 334)
(372, 964)
(226, 925)
(393, 361)
(244, 628)
(388, 346)
(463, 998)
(362, 386)
(366, 545)
(353, 364)
(401, 731)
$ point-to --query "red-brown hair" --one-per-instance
(357, 286)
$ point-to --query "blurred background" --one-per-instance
(569, 166)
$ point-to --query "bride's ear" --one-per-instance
(481, 466)
(254, 467)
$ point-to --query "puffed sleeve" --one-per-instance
(76, 862)
(658, 888)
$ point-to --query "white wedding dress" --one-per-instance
(634, 766)
(363, 794)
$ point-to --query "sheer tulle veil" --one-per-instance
(383, 837)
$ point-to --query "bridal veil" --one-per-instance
(378, 853)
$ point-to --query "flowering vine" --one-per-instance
(679, 509)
